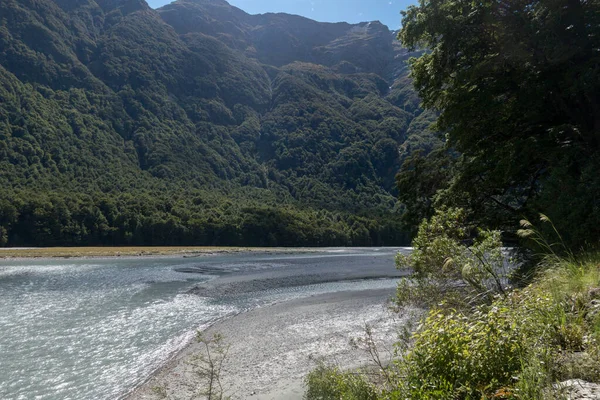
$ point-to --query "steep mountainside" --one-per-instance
(198, 123)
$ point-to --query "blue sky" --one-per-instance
(353, 11)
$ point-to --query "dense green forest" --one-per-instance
(200, 124)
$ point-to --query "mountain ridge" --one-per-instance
(323, 39)
(276, 111)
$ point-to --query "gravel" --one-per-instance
(274, 347)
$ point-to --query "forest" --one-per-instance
(200, 124)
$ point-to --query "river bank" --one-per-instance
(135, 251)
(273, 348)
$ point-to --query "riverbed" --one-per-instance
(98, 328)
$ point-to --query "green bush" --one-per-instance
(517, 347)
(465, 356)
(329, 382)
(446, 268)
(498, 343)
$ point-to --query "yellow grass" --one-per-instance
(68, 252)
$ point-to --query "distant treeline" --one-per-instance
(52, 219)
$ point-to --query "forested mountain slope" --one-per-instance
(198, 124)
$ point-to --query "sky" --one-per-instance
(353, 11)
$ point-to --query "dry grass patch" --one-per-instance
(134, 251)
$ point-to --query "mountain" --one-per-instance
(199, 124)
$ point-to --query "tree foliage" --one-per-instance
(516, 85)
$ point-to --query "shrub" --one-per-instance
(479, 339)
(515, 348)
(329, 382)
(206, 372)
(207, 367)
(465, 356)
(446, 268)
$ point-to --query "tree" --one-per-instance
(517, 86)
(420, 178)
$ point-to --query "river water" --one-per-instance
(96, 328)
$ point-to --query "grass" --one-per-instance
(133, 251)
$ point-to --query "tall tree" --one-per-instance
(517, 83)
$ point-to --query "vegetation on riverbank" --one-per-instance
(515, 84)
(189, 218)
(517, 344)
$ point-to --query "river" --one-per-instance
(97, 328)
